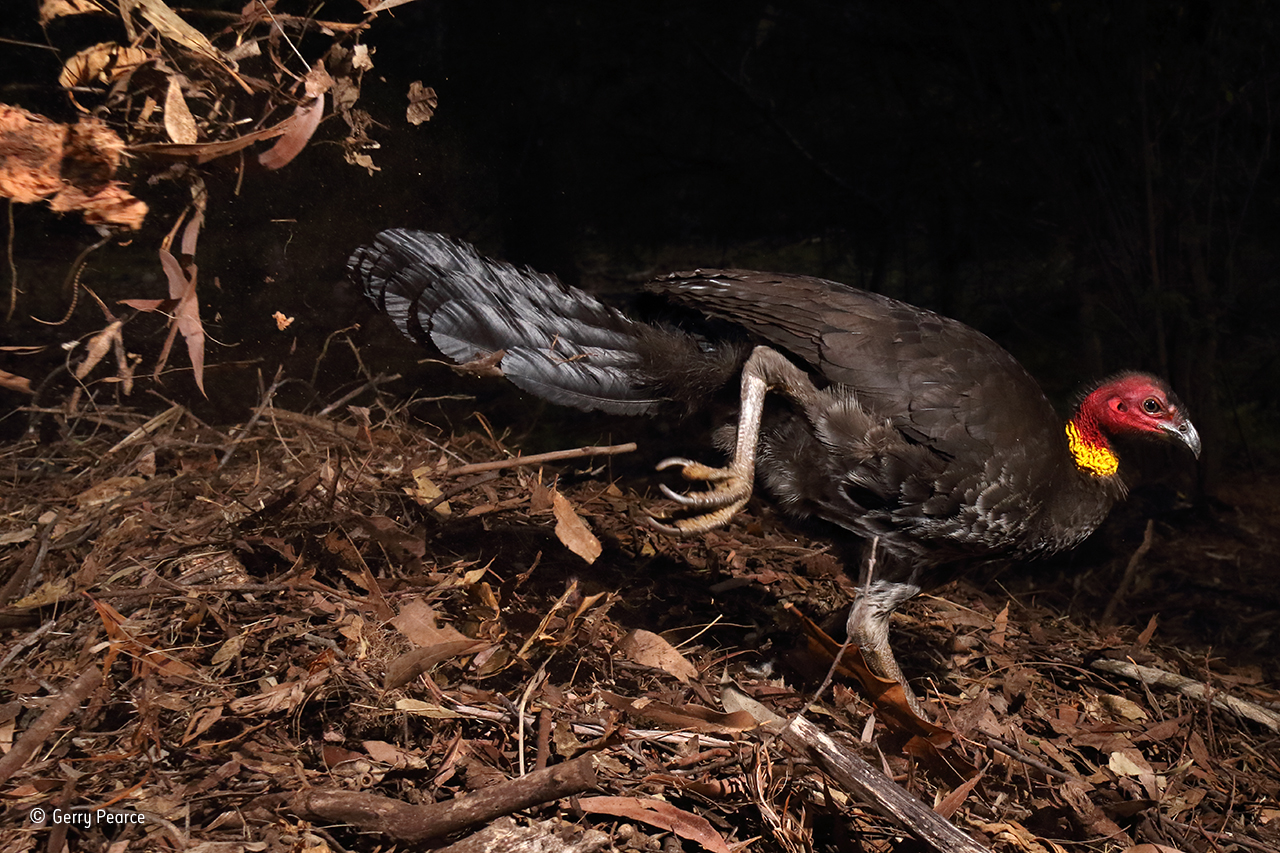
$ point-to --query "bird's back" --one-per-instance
(943, 443)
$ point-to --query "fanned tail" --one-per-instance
(558, 342)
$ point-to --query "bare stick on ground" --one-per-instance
(405, 822)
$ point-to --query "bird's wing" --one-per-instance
(939, 381)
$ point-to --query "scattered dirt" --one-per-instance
(249, 626)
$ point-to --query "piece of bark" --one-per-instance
(406, 822)
(870, 785)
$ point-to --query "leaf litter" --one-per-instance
(273, 632)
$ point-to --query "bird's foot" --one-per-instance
(730, 491)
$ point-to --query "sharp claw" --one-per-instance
(672, 494)
(699, 523)
(729, 492)
(672, 461)
(668, 529)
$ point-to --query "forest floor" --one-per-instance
(303, 632)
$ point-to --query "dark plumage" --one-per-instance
(904, 426)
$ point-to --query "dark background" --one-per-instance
(1090, 183)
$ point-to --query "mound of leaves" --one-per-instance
(314, 632)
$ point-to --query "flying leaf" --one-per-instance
(422, 103)
(50, 9)
(15, 383)
(186, 317)
(178, 121)
(101, 63)
(290, 145)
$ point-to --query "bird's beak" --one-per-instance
(1184, 432)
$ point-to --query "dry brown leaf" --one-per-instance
(649, 649)
(952, 802)
(422, 103)
(178, 121)
(417, 621)
(101, 63)
(122, 641)
(884, 693)
(1000, 628)
(171, 25)
(573, 532)
(662, 815)
(15, 383)
(295, 138)
(99, 345)
(426, 492)
(186, 316)
(50, 9)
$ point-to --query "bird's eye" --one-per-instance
(1151, 406)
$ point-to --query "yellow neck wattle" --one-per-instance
(1098, 460)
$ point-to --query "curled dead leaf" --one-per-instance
(296, 137)
(50, 9)
(101, 63)
(422, 103)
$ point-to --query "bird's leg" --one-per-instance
(869, 628)
(766, 370)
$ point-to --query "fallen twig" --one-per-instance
(416, 823)
(864, 781)
(68, 700)
(1188, 687)
(539, 458)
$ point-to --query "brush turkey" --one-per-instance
(902, 426)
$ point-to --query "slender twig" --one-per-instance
(999, 746)
(257, 415)
(539, 458)
(380, 379)
(459, 489)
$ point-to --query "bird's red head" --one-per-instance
(1130, 404)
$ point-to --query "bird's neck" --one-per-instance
(1089, 446)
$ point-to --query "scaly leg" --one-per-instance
(766, 370)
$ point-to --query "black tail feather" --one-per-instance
(558, 342)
